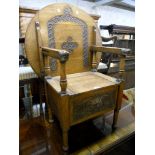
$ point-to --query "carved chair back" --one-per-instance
(62, 26)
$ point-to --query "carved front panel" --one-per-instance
(93, 104)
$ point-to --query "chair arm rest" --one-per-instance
(122, 52)
(114, 50)
(62, 55)
(106, 39)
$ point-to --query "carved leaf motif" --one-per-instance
(93, 105)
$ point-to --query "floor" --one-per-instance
(37, 137)
(126, 148)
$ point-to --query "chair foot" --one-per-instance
(65, 153)
(50, 116)
(65, 146)
(114, 127)
(51, 120)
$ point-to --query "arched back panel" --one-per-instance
(62, 26)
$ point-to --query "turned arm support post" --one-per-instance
(94, 61)
(62, 56)
(122, 52)
(122, 67)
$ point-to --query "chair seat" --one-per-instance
(83, 82)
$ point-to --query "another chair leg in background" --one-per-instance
(28, 101)
(40, 96)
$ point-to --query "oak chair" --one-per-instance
(62, 49)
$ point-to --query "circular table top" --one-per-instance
(43, 16)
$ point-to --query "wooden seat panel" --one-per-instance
(83, 82)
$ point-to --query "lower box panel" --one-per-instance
(93, 104)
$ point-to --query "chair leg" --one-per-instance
(115, 118)
(50, 116)
(65, 140)
(118, 104)
(28, 101)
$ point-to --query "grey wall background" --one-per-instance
(109, 15)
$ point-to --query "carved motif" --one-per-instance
(69, 45)
(92, 105)
(67, 17)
